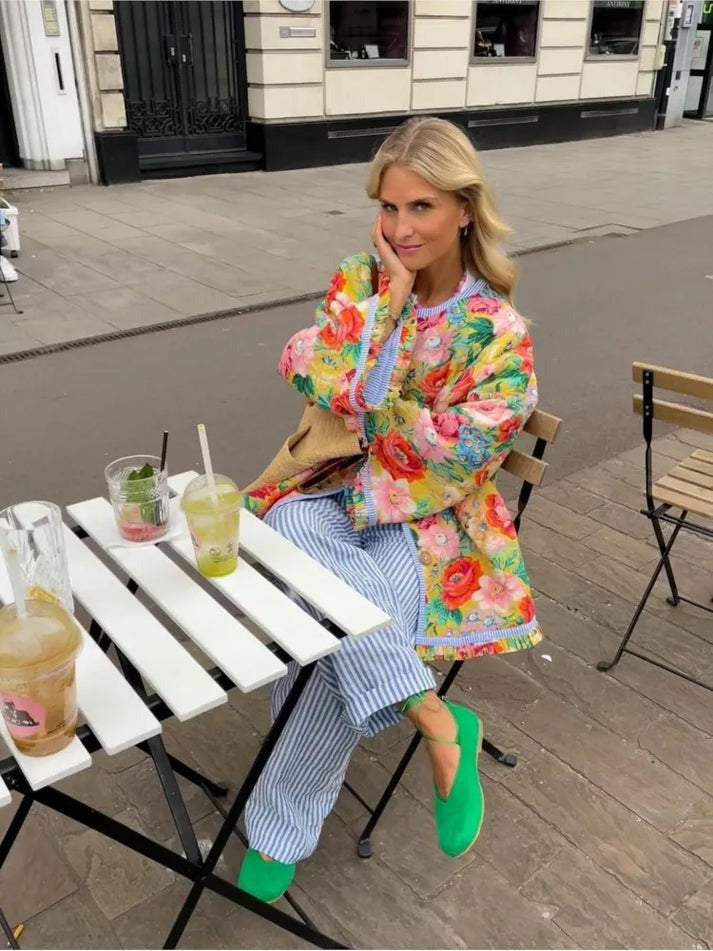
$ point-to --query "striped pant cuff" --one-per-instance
(359, 708)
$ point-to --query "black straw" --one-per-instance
(164, 448)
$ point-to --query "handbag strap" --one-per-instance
(374, 276)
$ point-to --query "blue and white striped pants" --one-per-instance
(352, 693)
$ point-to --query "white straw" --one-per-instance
(207, 464)
(17, 582)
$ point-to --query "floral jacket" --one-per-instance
(437, 405)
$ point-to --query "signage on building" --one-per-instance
(49, 17)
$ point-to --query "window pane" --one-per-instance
(506, 27)
(360, 30)
(616, 27)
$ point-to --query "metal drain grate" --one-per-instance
(155, 328)
(616, 231)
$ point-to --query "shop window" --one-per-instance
(368, 33)
(506, 29)
(616, 27)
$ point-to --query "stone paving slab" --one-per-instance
(97, 260)
(601, 837)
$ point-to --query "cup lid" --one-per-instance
(44, 639)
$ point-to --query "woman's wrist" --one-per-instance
(398, 298)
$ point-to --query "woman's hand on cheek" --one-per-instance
(400, 277)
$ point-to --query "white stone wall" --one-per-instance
(285, 75)
(288, 77)
(102, 63)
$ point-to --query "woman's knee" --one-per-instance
(305, 521)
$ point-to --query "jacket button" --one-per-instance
(426, 558)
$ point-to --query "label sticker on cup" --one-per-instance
(23, 716)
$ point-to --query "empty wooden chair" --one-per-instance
(685, 491)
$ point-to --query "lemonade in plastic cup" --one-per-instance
(38, 694)
(214, 523)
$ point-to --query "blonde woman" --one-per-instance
(432, 369)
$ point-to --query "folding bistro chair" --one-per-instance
(529, 468)
(686, 489)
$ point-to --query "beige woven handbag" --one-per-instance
(322, 443)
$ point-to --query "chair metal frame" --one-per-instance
(665, 512)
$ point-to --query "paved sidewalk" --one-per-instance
(601, 837)
(99, 260)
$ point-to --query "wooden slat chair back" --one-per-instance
(687, 487)
(529, 468)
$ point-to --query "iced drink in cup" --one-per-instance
(38, 696)
(213, 522)
(138, 489)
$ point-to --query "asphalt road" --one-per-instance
(596, 307)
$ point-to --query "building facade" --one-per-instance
(324, 85)
(129, 89)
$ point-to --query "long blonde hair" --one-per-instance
(442, 154)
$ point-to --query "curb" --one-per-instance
(20, 355)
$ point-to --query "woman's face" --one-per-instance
(421, 222)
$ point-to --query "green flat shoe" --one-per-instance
(267, 881)
(459, 817)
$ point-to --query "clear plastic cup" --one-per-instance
(38, 691)
(213, 523)
(31, 534)
(140, 503)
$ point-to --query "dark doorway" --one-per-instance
(184, 81)
(8, 140)
(699, 95)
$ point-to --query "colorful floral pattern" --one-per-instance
(459, 392)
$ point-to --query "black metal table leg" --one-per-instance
(198, 779)
(167, 778)
(189, 865)
(137, 842)
(7, 931)
(239, 804)
(13, 830)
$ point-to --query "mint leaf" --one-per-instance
(143, 491)
(145, 472)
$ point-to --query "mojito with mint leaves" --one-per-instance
(138, 490)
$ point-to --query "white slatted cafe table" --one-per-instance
(229, 644)
(119, 718)
(351, 612)
(177, 678)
